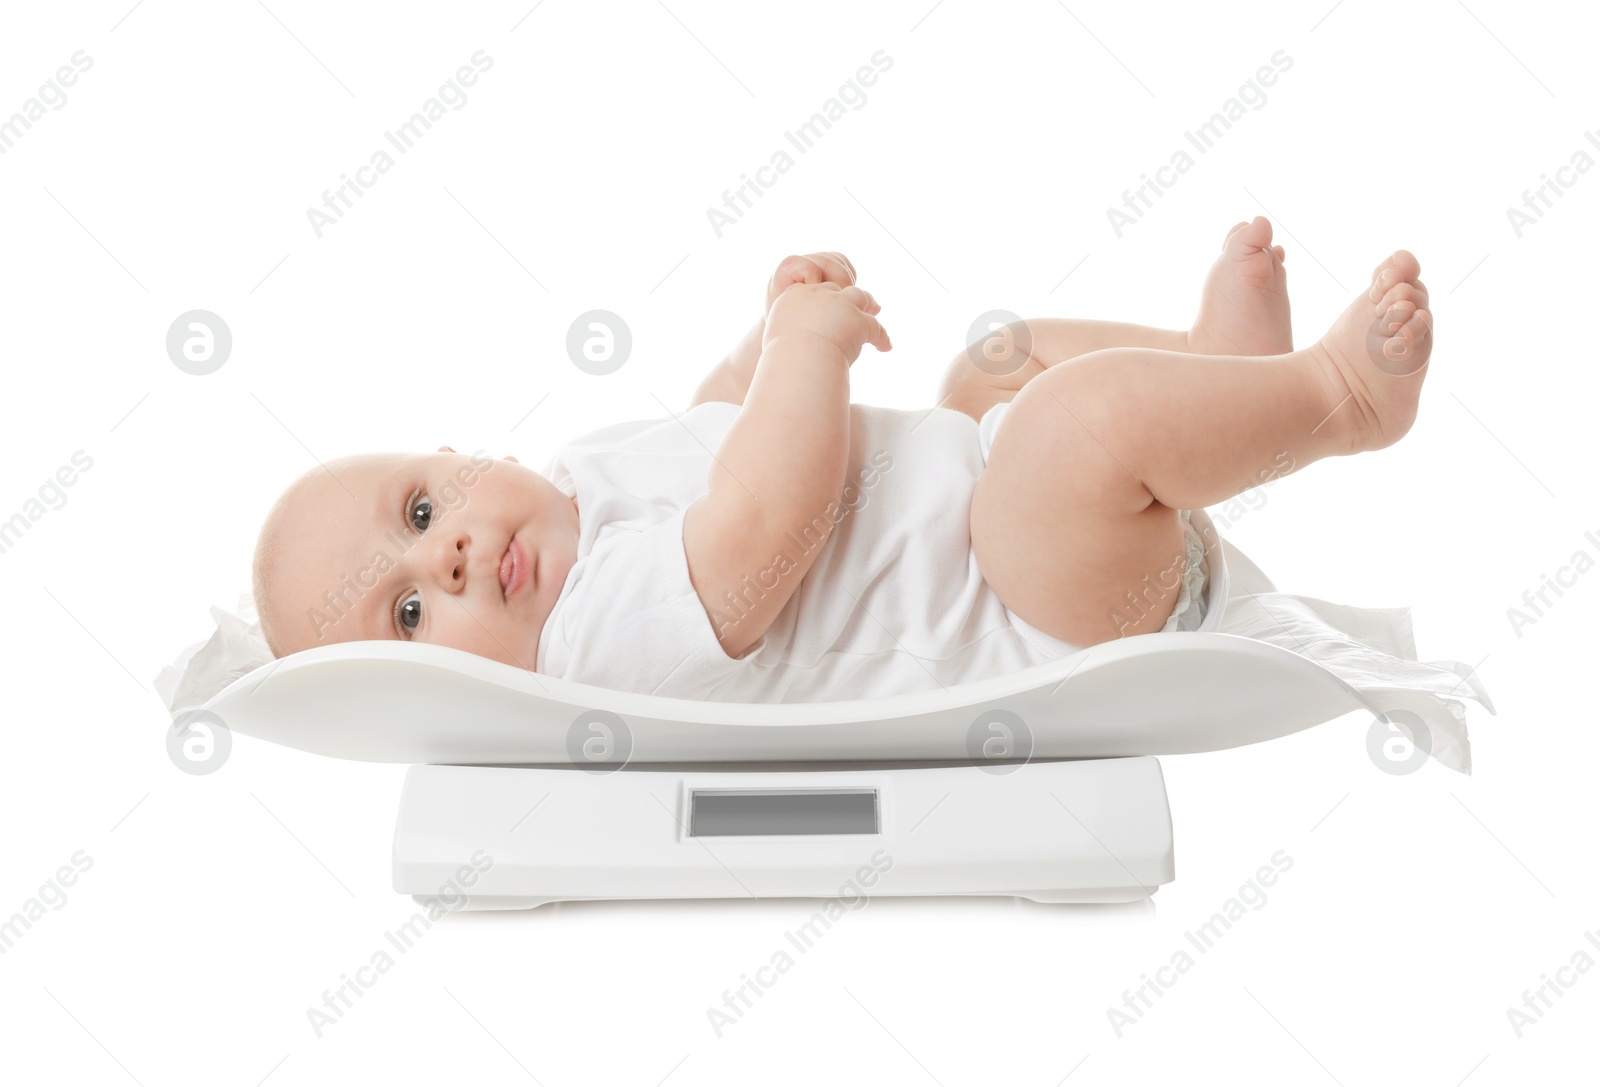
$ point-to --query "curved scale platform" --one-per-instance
(1155, 694)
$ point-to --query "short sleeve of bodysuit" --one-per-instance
(628, 617)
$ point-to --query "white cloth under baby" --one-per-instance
(893, 603)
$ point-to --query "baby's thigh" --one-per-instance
(966, 389)
(1060, 535)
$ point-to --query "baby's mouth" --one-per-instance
(513, 569)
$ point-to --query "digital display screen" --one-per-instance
(717, 813)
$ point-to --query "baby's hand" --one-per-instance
(814, 268)
(844, 316)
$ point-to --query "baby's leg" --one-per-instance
(1244, 310)
(1075, 520)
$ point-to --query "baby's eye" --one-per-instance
(421, 513)
(409, 614)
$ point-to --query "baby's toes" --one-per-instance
(1256, 236)
(1400, 267)
(1386, 279)
(1410, 293)
(1393, 317)
(1415, 332)
(1407, 346)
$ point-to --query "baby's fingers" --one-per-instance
(862, 300)
(792, 270)
(839, 268)
(877, 335)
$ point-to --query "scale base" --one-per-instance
(1077, 896)
(513, 838)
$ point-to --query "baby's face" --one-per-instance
(455, 550)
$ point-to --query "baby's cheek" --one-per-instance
(494, 637)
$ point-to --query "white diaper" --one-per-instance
(1188, 613)
(1190, 610)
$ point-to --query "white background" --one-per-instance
(218, 909)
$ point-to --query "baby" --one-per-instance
(777, 542)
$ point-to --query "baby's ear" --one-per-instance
(446, 449)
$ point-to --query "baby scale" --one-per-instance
(1043, 783)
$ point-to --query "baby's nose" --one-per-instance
(450, 560)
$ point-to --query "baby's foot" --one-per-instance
(1372, 361)
(1244, 307)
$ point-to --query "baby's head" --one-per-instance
(464, 551)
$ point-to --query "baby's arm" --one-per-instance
(782, 462)
(730, 380)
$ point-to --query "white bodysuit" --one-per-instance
(893, 603)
